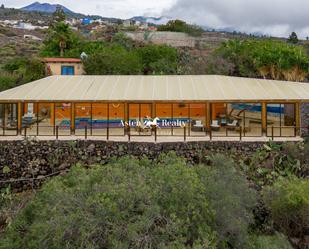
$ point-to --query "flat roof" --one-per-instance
(62, 60)
(156, 88)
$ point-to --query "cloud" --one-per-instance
(275, 17)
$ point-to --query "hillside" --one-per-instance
(13, 44)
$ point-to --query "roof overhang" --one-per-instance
(191, 88)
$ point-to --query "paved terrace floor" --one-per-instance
(151, 139)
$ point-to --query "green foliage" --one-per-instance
(158, 59)
(293, 38)
(60, 39)
(288, 202)
(59, 15)
(6, 170)
(275, 161)
(21, 70)
(123, 40)
(232, 200)
(277, 241)
(267, 58)
(7, 81)
(128, 203)
(181, 26)
(121, 57)
(138, 204)
(113, 60)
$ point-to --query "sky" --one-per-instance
(270, 17)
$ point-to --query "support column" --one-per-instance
(297, 119)
(19, 117)
(126, 112)
(52, 114)
(73, 118)
(208, 115)
(264, 118)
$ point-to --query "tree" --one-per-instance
(158, 59)
(58, 15)
(2, 6)
(60, 40)
(266, 58)
(288, 202)
(111, 60)
(293, 38)
(181, 26)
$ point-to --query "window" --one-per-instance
(67, 70)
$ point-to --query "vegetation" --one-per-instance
(266, 58)
(19, 71)
(288, 202)
(112, 60)
(293, 38)
(167, 204)
(59, 40)
(181, 26)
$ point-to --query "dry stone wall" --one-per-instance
(26, 164)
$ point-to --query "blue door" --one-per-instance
(67, 70)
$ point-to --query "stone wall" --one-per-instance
(26, 164)
(304, 110)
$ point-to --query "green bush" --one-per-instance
(277, 241)
(181, 26)
(232, 200)
(126, 204)
(7, 81)
(288, 202)
(113, 60)
(158, 59)
(266, 58)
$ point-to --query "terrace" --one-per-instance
(154, 108)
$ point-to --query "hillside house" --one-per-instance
(64, 66)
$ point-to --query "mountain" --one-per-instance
(45, 7)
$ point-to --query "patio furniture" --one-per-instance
(215, 125)
(197, 125)
(233, 125)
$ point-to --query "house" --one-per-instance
(197, 106)
(64, 66)
(32, 37)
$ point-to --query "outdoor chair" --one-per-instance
(233, 125)
(197, 125)
(215, 125)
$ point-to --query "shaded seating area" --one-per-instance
(183, 105)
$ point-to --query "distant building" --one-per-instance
(86, 21)
(64, 66)
(128, 23)
(32, 37)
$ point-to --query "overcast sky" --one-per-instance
(275, 17)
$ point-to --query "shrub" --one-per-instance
(277, 241)
(113, 60)
(126, 204)
(181, 26)
(232, 200)
(288, 202)
(7, 81)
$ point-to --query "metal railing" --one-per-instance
(86, 132)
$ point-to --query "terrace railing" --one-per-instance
(129, 132)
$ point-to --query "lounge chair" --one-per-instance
(233, 125)
(197, 125)
(215, 125)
